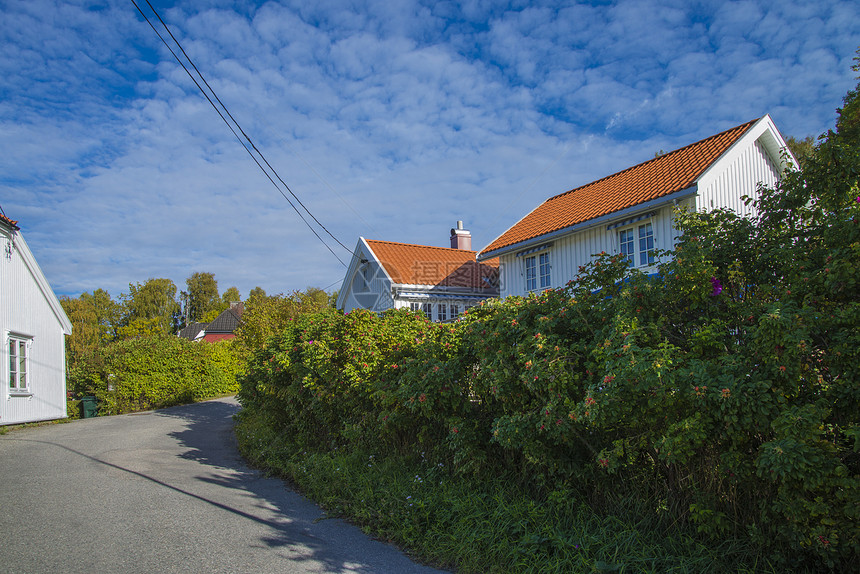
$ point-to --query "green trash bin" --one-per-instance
(89, 407)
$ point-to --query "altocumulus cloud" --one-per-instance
(389, 119)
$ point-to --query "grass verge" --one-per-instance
(462, 524)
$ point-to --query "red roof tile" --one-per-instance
(655, 178)
(437, 266)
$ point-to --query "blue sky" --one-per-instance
(389, 119)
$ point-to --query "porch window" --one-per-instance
(443, 311)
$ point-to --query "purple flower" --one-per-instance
(718, 287)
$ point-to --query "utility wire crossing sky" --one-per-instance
(389, 120)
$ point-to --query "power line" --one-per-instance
(239, 127)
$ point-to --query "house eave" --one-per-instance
(603, 219)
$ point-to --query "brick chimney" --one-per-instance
(461, 238)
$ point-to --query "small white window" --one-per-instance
(428, 310)
(19, 364)
(637, 242)
(455, 311)
(531, 273)
(415, 306)
(538, 271)
(545, 279)
(443, 311)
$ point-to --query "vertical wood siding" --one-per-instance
(568, 253)
(741, 177)
(737, 175)
(26, 311)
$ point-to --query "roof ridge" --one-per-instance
(745, 125)
(417, 245)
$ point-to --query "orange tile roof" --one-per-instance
(12, 223)
(437, 266)
(655, 178)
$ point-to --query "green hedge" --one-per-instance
(152, 372)
(727, 397)
(724, 392)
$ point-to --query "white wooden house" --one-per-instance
(441, 282)
(32, 325)
(630, 212)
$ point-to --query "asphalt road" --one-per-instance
(164, 491)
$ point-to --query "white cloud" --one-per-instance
(390, 120)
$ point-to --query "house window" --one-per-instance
(443, 312)
(531, 281)
(415, 306)
(646, 244)
(637, 240)
(428, 310)
(538, 272)
(544, 269)
(455, 311)
(19, 363)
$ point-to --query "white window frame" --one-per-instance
(442, 311)
(631, 236)
(17, 366)
(537, 270)
(427, 309)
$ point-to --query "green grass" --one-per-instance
(469, 525)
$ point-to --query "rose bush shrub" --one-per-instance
(724, 389)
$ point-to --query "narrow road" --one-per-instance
(164, 491)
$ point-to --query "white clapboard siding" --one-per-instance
(757, 158)
(28, 307)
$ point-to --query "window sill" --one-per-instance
(20, 394)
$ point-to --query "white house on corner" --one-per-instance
(630, 212)
(32, 325)
(441, 282)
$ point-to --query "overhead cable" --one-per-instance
(249, 147)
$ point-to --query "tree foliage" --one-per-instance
(201, 297)
(266, 316)
(149, 309)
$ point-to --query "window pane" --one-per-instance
(22, 365)
(531, 281)
(13, 364)
(646, 244)
(545, 281)
(626, 239)
(443, 312)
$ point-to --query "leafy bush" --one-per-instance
(153, 372)
(724, 392)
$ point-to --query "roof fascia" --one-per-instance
(354, 262)
(436, 288)
(45, 287)
(765, 131)
(378, 262)
(603, 219)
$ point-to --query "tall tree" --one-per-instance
(267, 316)
(95, 319)
(802, 149)
(149, 309)
(202, 296)
(231, 295)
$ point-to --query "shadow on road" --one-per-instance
(297, 525)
